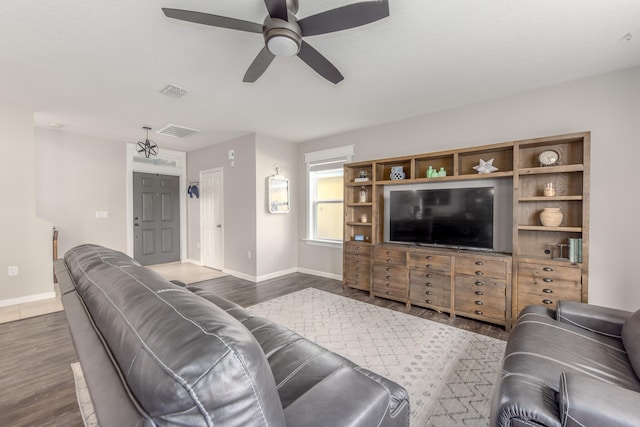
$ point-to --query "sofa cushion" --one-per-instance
(186, 361)
(631, 340)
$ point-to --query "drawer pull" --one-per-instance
(478, 302)
(388, 252)
(547, 280)
(478, 312)
(547, 291)
(428, 301)
(479, 293)
(388, 292)
(428, 276)
(429, 266)
(429, 257)
(357, 276)
(429, 293)
(479, 263)
(388, 268)
(357, 268)
(388, 277)
(388, 285)
(358, 254)
(429, 284)
(358, 248)
(357, 262)
(479, 273)
(478, 283)
(546, 301)
(547, 269)
(388, 261)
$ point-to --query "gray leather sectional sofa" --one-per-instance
(155, 353)
(577, 366)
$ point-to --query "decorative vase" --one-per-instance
(397, 173)
(363, 195)
(551, 217)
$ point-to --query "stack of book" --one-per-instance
(575, 250)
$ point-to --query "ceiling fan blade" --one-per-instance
(258, 66)
(342, 18)
(213, 20)
(277, 9)
(319, 63)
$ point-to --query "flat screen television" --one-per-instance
(451, 217)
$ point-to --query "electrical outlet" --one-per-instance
(12, 270)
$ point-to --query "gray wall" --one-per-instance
(607, 105)
(26, 239)
(277, 250)
(239, 201)
(75, 177)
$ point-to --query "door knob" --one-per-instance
(219, 225)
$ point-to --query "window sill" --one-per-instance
(324, 243)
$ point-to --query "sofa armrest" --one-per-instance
(345, 398)
(585, 401)
(602, 320)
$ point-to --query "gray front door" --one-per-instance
(156, 218)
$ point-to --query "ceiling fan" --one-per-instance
(283, 32)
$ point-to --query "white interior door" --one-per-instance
(211, 226)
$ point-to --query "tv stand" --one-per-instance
(533, 274)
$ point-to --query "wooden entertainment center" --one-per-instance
(484, 285)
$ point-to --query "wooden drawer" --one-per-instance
(390, 256)
(357, 250)
(433, 296)
(545, 285)
(485, 300)
(530, 272)
(429, 261)
(430, 279)
(353, 261)
(391, 281)
(358, 272)
(482, 266)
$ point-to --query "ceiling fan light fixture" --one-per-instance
(282, 45)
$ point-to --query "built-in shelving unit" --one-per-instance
(539, 271)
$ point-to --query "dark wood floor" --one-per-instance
(36, 382)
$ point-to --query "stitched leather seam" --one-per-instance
(568, 320)
(295, 371)
(575, 333)
(531, 377)
(526, 353)
(576, 421)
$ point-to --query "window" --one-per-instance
(325, 193)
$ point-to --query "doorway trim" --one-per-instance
(168, 162)
(221, 170)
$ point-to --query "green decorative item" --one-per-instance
(442, 172)
(430, 172)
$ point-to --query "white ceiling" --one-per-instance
(97, 66)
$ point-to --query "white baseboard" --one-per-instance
(192, 261)
(277, 274)
(27, 299)
(320, 273)
(239, 275)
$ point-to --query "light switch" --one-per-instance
(102, 214)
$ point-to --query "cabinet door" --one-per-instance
(480, 297)
(390, 281)
(545, 284)
(432, 290)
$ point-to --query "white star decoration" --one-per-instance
(485, 167)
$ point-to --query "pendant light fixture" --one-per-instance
(147, 147)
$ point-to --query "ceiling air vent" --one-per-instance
(175, 130)
(173, 91)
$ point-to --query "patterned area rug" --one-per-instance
(84, 399)
(448, 372)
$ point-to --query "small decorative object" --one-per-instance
(397, 173)
(485, 167)
(442, 172)
(548, 158)
(147, 147)
(549, 189)
(551, 217)
(430, 172)
(363, 218)
(363, 195)
(278, 197)
(359, 237)
(362, 176)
